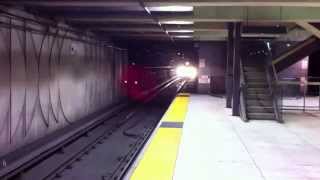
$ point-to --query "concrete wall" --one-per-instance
(294, 72)
(51, 78)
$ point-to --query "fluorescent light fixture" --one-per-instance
(181, 31)
(183, 36)
(269, 45)
(177, 22)
(305, 63)
(148, 10)
(171, 8)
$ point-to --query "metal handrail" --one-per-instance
(243, 87)
(277, 83)
(273, 83)
(305, 85)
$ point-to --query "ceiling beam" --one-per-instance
(253, 14)
(261, 3)
(115, 29)
(73, 3)
(309, 27)
(220, 14)
(119, 3)
(157, 29)
(112, 19)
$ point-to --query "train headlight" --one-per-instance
(189, 72)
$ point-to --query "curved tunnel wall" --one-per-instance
(51, 78)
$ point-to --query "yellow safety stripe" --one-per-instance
(177, 110)
(158, 161)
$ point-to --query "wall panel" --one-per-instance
(51, 78)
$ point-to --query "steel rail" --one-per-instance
(15, 168)
(129, 159)
(85, 150)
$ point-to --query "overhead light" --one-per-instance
(183, 36)
(305, 63)
(181, 31)
(171, 8)
(148, 10)
(269, 45)
(177, 22)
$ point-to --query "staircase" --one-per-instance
(296, 53)
(258, 100)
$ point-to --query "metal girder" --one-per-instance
(114, 19)
(156, 29)
(115, 29)
(264, 3)
(196, 26)
(73, 3)
(114, 3)
(223, 14)
(268, 14)
(309, 27)
(265, 29)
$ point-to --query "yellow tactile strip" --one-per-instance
(177, 110)
(158, 161)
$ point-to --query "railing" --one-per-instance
(294, 95)
(272, 85)
(243, 87)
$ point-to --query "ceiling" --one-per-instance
(201, 20)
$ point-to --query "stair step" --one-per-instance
(256, 79)
(251, 90)
(257, 85)
(251, 102)
(262, 116)
(255, 72)
(260, 109)
(254, 75)
(253, 69)
(258, 96)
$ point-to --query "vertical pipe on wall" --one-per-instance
(10, 82)
(229, 71)
(236, 71)
(26, 76)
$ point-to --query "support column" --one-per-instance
(236, 71)
(229, 69)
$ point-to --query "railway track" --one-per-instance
(127, 131)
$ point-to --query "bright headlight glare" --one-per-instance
(186, 72)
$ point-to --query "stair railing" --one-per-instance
(272, 79)
(243, 90)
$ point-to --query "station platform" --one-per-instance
(198, 138)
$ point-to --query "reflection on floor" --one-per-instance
(216, 145)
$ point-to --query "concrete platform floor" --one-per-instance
(218, 146)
